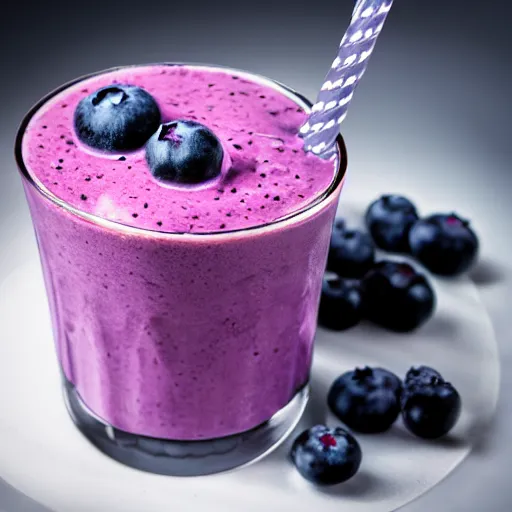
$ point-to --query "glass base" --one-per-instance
(185, 458)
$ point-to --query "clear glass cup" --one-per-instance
(158, 372)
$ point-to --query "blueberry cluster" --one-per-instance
(394, 295)
(444, 244)
(125, 118)
(369, 400)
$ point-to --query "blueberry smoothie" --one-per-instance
(183, 233)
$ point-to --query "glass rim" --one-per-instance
(299, 99)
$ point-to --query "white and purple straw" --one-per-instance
(329, 111)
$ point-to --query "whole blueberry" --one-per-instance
(397, 297)
(445, 244)
(351, 252)
(184, 152)
(367, 400)
(341, 304)
(431, 410)
(117, 118)
(389, 220)
(326, 456)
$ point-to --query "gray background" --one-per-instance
(434, 108)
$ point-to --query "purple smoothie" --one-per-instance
(270, 176)
(172, 319)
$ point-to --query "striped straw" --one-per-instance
(329, 111)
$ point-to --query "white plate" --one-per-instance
(44, 456)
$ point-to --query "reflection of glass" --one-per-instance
(192, 354)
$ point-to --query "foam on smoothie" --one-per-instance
(270, 174)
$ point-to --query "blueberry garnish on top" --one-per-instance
(445, 244)
(389, 220)
(184, 151)
(117, 118)
(326, 456)
(366, 399)
(397, 297)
